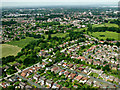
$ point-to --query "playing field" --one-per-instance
(107, 34)
(23, 42)
(9, 50)
(57, 35)
(105, 25)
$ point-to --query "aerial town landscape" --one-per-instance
(60, 48)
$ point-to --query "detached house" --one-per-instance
(84, 80)
(49, 83)
(42, 80)
(66, 73)
(82, 58)
(72, 76)
(56, 86)
(78, 78)
(61, 72)
(36, 77)
(55, 69)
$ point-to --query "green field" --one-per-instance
(105, 25)
(108, 34)
(79, 29)
(57, 34)
(22, 43)
(9, 50)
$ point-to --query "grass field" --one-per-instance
(79, 29)
(108, 34)
(22, 43)
(9, 50)
(105, 25)
(57, 34)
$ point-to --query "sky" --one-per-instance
(6, 3)
(60, 0)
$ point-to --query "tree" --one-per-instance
(49, 36)
(106, 68)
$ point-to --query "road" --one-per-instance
(38, 86)
(89, 76)
(32, 83)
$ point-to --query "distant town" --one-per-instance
(60, 48)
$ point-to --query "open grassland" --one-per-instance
(107, 34)
(23, 42)
(105, 25)
(57, 35)
(79, 29)
(9, 50)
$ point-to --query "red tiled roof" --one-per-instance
(23, 74)
(81, 58)
(55, 68)
(78, 77)
(72, 75)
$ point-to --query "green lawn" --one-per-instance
(23, 42)
(108, 34)
(94, 74)
(79, 29)
(57, 34)
(9, 50)
(60, 34)
(105, 25)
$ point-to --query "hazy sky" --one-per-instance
(56, 2)
(60, 0)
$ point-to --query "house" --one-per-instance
(43, 64)
(66, 73)
(89, 82)
(61, 72)
(56, 86)
(64, 65)
(72, 76)
(50, 60)
(42, 80)
(49, 83)
(55, 69)
(43, 53)
(82, 58)
(84, 80)
(75, 86)
(28, 86)
(60, 63)
(111, 78)
(96, 84)
(31, 69)
(81, 68)
(117, 80)
(95, 63)
(65, 88)
(5, 68)
(78, 78)
(5, 84)
(89, 61)
(22, 85)
(86, 70)
(13, 79)
(16, 64)
(70, 65)
(36, 77)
